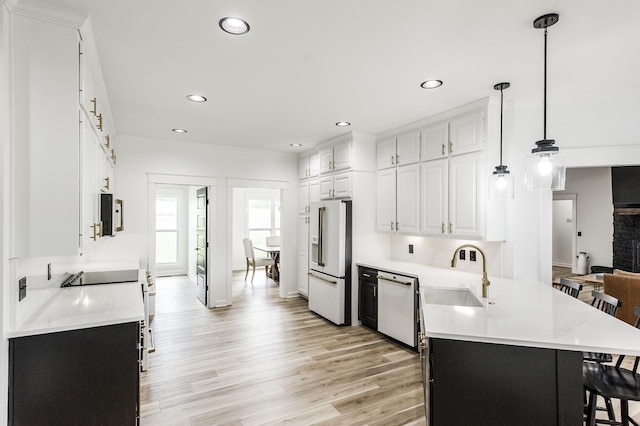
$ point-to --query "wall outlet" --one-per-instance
(48, 272)
(411, 248)
(462, 255)
(22, 288)
(472, 255)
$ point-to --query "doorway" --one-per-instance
(564, 231)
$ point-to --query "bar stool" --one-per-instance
(612, 382)
(570, 287)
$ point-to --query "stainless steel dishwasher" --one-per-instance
(397, 307)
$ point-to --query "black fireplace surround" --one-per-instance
(625, 183)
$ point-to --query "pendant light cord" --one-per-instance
(501, 100)
(545, 86)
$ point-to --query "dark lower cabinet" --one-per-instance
(471, 383)
(367, 297)
(79, 377)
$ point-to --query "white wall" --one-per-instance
(594, 212)
(138, 157)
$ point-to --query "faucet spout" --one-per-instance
(485, 280)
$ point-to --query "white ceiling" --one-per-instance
(307, 64)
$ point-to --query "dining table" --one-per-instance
(274, 253)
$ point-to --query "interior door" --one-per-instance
(202, 213)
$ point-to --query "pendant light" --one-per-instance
(501, 181)
(545, 167)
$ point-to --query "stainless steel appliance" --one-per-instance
(111, 214)
(330, 260)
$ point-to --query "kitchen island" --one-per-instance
(76, 360)
(516, 358)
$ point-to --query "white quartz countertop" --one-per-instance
(88, 306)
(521, 313)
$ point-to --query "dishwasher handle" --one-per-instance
(394, 280)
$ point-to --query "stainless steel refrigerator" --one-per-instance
(330, 260)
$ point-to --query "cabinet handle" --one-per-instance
(393, 159)
(94, 111)
(108, 140)
(100, 121)
(450, 227)
(121, 204)
(392, 225)
(397, 160)
(95, 233)
(101, 231)
(442, 149)
(374, 291)
(450, 147)
(397, 226)
(106, 186)
(113, 156)
(443, 227)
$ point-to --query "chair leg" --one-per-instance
(610, 412)
(247, 273)
(591, 410)
(253, 274)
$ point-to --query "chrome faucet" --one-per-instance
(485, 280)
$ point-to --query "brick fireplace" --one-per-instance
(626, 238)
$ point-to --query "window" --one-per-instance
(167, 229)
(263, 216)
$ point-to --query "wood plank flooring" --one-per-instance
(270, 361)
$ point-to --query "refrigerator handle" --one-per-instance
(320, 235)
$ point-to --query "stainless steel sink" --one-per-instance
(450, 296)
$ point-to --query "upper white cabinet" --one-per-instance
(60, 116)
(399, 151)
(398, 202)
(457, 135)
(446, 194)
(335, 158)
(45, 138)
(450, 196)
(309, 166)
(335, 186)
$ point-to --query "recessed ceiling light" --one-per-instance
(197, 98)
(295, 145)
(431, 84)
(343, 124)
(179, 130)
(235, 26)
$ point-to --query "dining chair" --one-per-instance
(254, 261)
(612, 382)
(570, 287)
(610, 305)
(273, 241)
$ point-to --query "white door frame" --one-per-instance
(154, 179)
(574, 225)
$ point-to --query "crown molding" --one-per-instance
(46, 12)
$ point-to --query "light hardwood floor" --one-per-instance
(267, 360)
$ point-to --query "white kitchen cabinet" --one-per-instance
(45, 139)
(92, 170)
(399, 150)
(335, 186)
(309, 166)
(450, 196)
(398, 201)
(386, 201)
(457, 135)
(303, 255)
(434, 197)
(464, 190)
(303, 198)
(335, 158)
